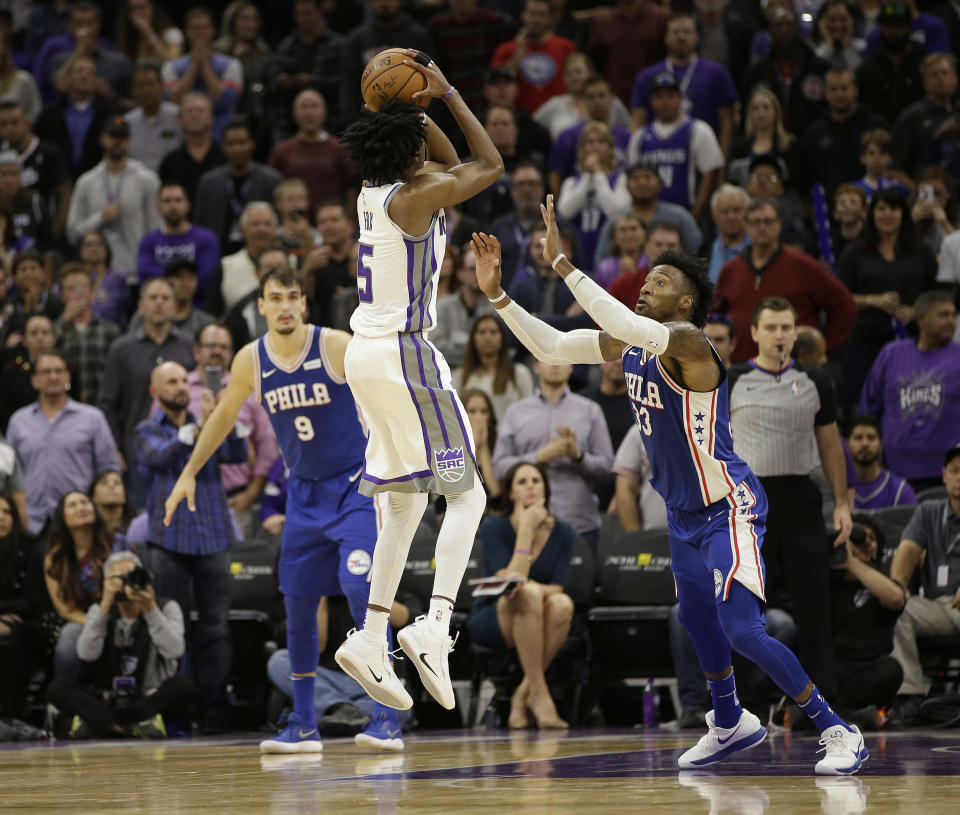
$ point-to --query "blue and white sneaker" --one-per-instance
(383, 732)
(297, 737)
(720, 742)
(845, 751)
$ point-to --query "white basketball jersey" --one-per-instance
(395, 271)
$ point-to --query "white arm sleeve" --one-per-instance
(549, 345)
(615, 318)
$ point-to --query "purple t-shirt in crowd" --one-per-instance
(888, 490)
(706, 86)
(928, 31)
(158, 249)
(916, 396)
(563, 154)
(111, 300)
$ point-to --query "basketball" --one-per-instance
(386, 78)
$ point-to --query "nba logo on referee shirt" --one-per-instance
(450, 464)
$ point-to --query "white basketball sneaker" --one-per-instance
(845, 751)
(430, 651)
(720, 742)
(364, 656)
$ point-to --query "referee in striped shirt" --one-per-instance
(784, 418)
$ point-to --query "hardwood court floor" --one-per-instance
(583, 772)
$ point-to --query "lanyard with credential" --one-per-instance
(687, 77)
(945, 525)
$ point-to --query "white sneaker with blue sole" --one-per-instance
(720, 742)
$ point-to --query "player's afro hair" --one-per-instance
(382, 143)
(694, 269)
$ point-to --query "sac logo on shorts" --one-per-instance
(717, 582)
(450, 464)
(358, 562)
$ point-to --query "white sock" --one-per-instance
(457, 533)
(393, 545)
(376, 622)
(439, 614)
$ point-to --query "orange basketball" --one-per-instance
(386, 78)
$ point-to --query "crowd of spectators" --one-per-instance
(156, 159)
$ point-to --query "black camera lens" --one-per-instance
(137, 578)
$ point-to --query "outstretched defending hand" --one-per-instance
(487, 249)
(185, 487)
(437, 84)
(551, 243)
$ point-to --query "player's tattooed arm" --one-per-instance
(687, 342)
(610, 346)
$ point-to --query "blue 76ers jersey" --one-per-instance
(312, 412)
(686, 434)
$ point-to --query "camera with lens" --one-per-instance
(138, 578)
(838, 554)
(124, 697)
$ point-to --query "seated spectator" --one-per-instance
(876, 159)
(685, 150)
(526, 193)
(128, 634)
(488, 366)
(537, 55)
(109, 496)
(202, 69)
(600, 106)
(644, 185)
(294, 234)
(315, 156)
(154, 123)
(914, 390)
(73, 125)
(914, 131)
(625, 254)
(246, 182)
(119, 195)
(568, 109)
(864, 607)
(885, 270)
(19, 550)
(331, 268)
(810, 349)
(236, 276)
(77, 547)
(240, 37)
(82, 336)
(719, 331)
(178, 239)
(707, 89)
(61, 443)
(244, 321)
(661, 237)
(82, 41)
(728, 206)
(567, 434)
(849, 216)
(874, 486)
(934, 210)
(639, 506)
(890, 78)
(927, 542)
(187, 319)
(142, 30)
(597, 192)
(199, 153)
(111, 292)
(833, 36)
(764, 134)
(535, 547)
(30, 294)
(483, 422)
(16, 376)
(768, 268)
(456, 313)
(341, 706)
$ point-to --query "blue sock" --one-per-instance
(304, 647)
(726, 705)
(820, 712)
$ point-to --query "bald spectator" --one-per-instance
(223, 192)
(62, 444)
(237, 275)
(199, 153)
(537, 55)
(767, 268)
(189, 557)
(810, 349)
(16, 375)
(314, 155)
(124, 390)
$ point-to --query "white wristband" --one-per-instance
(503, 296)
(557, 259)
